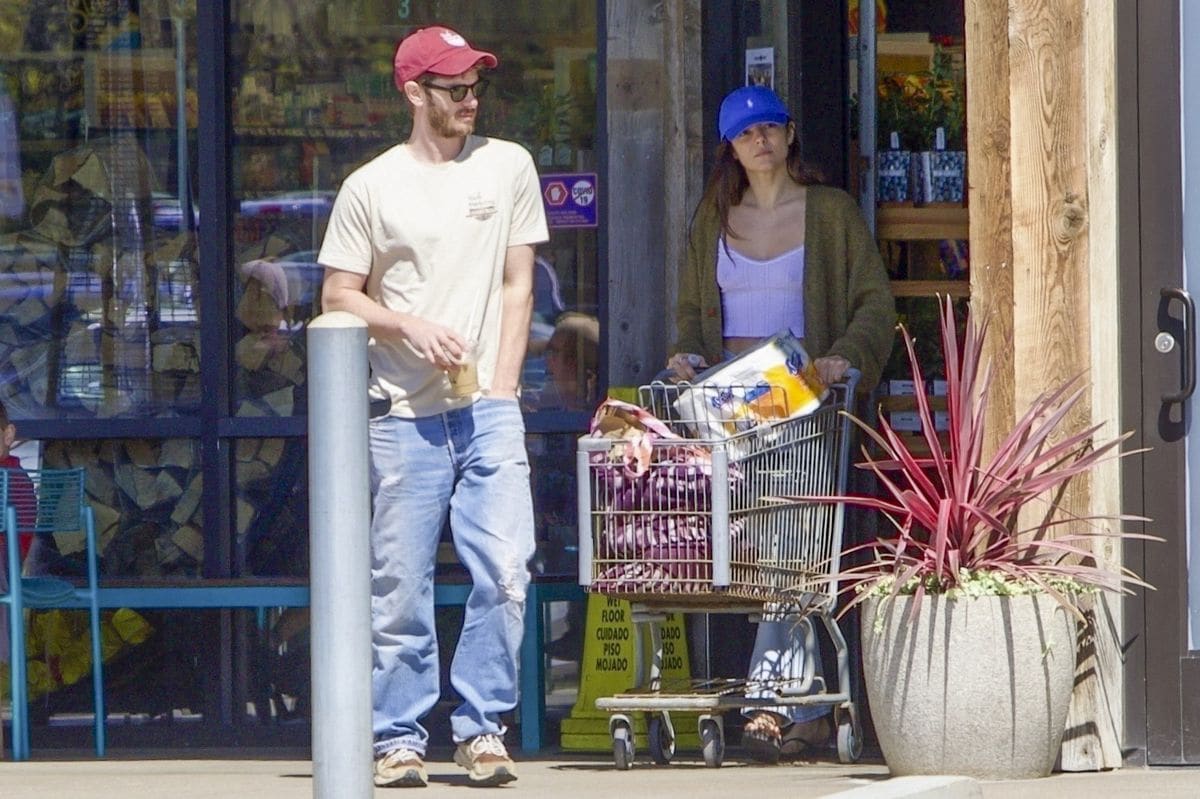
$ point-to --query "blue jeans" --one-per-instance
(783, 652)
(471, 465)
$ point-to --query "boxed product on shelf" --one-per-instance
(905, 421)
(899, 406)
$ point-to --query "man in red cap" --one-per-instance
(432, 244)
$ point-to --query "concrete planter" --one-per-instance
(978, 687)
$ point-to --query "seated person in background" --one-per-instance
(571, 360)
(770, 249)
(22, 497)
(20, 488)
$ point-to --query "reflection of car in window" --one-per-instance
(167, 214)
(297, 203)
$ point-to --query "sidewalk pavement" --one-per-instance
(573, 776)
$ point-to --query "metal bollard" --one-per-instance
(340, 560)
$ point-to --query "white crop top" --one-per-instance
(760, 298)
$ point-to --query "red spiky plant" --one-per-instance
(959, 519)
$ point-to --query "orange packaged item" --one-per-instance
(775, 380)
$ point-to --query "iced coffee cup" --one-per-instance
(464, 378)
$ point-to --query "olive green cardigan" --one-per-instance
(848, 306)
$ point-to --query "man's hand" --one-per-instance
(439, 345)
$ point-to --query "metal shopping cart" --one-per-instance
(692, 520)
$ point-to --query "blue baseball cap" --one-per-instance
(750, 105)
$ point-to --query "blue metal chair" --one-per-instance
(44, 502)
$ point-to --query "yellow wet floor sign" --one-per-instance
(608, 668)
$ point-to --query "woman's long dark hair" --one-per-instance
(728, 183)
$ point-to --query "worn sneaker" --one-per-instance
(486, 760)
(400, 768)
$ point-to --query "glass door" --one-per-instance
(1158, 73)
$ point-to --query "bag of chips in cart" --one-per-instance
(773, 381)
(633, 430)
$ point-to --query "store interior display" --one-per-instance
(97, 284)
(921, 218)
(101, 313)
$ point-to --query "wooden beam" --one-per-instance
(1049, 208)
(990, 200)
(1042, 207)
(1052, 302)
(683, 143)
(1049, 196)
(637, 285)
(1096, 720)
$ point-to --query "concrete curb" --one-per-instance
(936, 787)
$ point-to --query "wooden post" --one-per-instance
(990, 201)
(1039, 80)
(654, 174)
(1095, 722)
(683, 142)
(637, 285)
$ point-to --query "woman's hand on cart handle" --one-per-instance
(832, 368)
(685, 364)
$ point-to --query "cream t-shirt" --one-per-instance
(431, 239)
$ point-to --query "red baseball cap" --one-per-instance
(438, 50)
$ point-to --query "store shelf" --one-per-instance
(927, 222)
(908, 402)
(931, 288)
(915, 441)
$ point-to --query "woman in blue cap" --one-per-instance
(770, 249)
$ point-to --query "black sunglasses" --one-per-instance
(458, 92)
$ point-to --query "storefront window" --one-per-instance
(156, 662)
(314, 99)
(146, 497)
(101, 294)
(552, 474)
(272, 507)
(98, 270)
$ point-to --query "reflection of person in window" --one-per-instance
(571, 357)
(21, 496)
(261, 309)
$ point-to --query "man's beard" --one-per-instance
(448, 126)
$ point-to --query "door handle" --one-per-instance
(1186, 342)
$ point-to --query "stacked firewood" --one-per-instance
(145, 495)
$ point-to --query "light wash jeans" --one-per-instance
(783, 650)
(471, 464)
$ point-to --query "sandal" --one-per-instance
(761, 737)
(803, 735)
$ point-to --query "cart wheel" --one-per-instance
(849, 741)
(662, 744)
(622, 738)
(712, 742)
